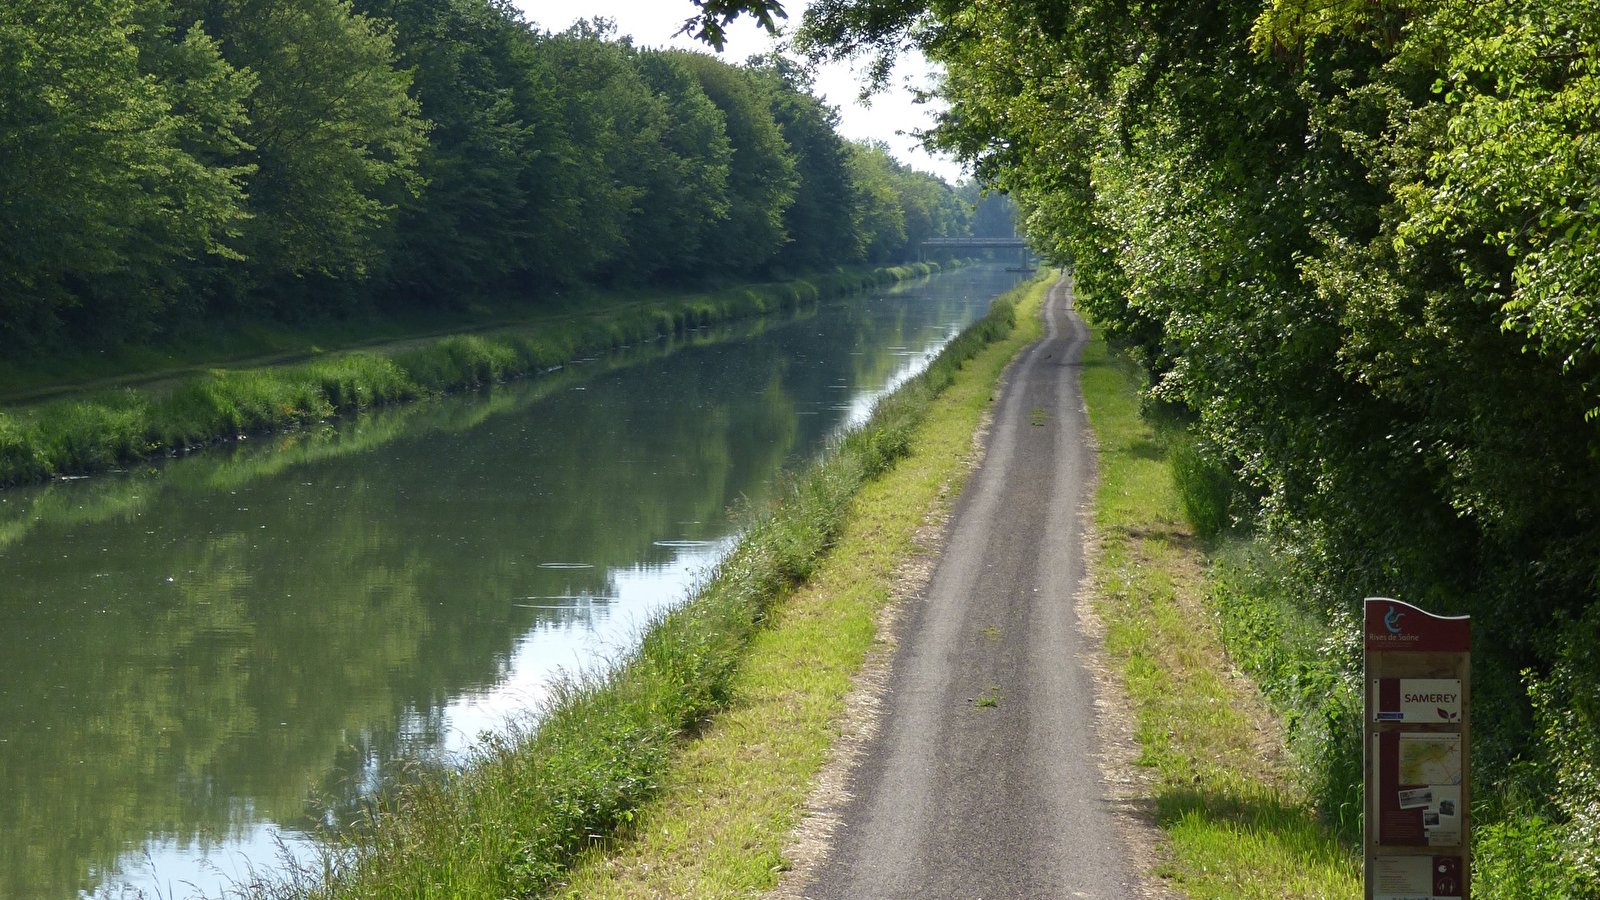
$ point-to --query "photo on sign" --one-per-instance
(1411, 798)
(1440, 820)
(1419, 775)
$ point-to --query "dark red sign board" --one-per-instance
(1447, 878)
(1395, 627)
(1417, 687)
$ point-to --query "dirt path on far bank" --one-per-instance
(982, 782)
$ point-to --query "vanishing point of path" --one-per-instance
(957, 798)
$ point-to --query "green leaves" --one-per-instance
(335, 134)
(1357, 243)
(162, 161)
(761, 177)
(1516, 165)
(115, 150)
(715, 15)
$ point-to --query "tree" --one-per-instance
(675, 224)
(901, 207)
(1356, 243)
(164, 163)
(334, 137)
(819, 223)
(993, 214)
(471, 64)
(761, 176)
(119, 169)
(879, 219)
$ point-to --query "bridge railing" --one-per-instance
(1000, 243)
(1016, 245)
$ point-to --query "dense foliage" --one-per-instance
(1358, 243)
(166, 161)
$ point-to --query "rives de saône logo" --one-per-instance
(1391, 620)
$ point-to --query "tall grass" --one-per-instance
(511, 820)
(1205, 488)
(1238, 825)
(1307, 661)
(1534, 815)
(1309, 670)
(82, 435)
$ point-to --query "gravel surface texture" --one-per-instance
(983, 781)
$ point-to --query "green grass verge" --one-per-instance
(64, 504)
(1179, 620)
(1239, 825)
(511, 822)
(112, 428)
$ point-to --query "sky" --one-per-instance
(891, 118)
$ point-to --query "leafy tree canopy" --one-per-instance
(165, 161)
(1356, 242)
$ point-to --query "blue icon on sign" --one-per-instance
(1391, 620)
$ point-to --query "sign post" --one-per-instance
(1417, 741)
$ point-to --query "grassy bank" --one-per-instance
(512, 821)
(1219, 643)
(110, 428)
(1226, 794)
(60, 504)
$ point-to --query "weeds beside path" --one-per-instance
(1216, 774)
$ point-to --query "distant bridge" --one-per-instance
(997, 245)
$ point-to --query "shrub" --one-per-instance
(1526, 858)
(82, 436)
(19, 453)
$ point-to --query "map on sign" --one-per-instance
(1430, 759)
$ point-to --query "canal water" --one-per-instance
(204, 661)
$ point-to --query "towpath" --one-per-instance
(982, 782)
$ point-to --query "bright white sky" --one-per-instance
(891, 118)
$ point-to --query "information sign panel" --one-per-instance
(1418, 738)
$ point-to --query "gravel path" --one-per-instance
(982, 782)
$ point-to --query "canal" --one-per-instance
(205, 661)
